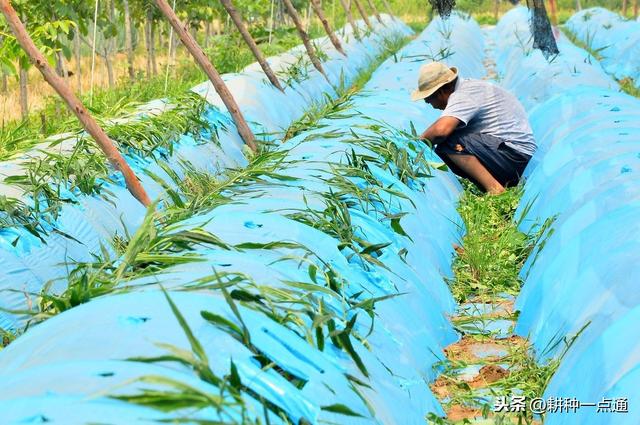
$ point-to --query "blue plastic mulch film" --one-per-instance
(582, 278)
(275, 316)
(614, 39)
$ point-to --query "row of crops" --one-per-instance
(583, 278)
(296, 288)
(307, 284)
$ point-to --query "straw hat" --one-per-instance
(433, 76)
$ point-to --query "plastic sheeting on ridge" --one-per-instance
(89, 344)
(585, 174)
(27, 263)
(615, 39)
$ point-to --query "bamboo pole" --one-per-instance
(76, 106)
(317, 8)
(291, 10)
(363, 13)
(208, 68)
(253, 46)
(375, 11)
(347, 10)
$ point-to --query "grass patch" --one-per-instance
(494, 249)
(628, 85)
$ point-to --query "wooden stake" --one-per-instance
(253, 46)
(293, 13)
(59, 85)
(347, 10)
(317, 8)
(375, 11)
(208, 68)
(363, 13)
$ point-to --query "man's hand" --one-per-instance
(440, 130)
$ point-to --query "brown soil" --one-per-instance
(489, 374)
(463, 351)
(458, 413)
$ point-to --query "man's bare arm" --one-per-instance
(440, 130)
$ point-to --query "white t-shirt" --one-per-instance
(485, 108)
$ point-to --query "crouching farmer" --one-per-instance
(483, 134)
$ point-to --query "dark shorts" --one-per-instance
(503, 162)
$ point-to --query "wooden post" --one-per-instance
(373, 7)
(237, 20)
(363, 13)
(305, 38)
(317, 8)
(208, 68)
(59, 85)
(346, 4)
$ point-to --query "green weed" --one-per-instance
(494, 249)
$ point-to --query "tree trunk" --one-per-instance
(212, 73)
(109, 64)
(625, 6)
(59, 85)
(554, 12)
(128, 40)
(635, 9)
(363, 13)
(4, 86)
(60, 70)
(346, 4)
(543, 37)
(237, 20)
(496, 9)
(373, 7)
(317, 8)
(388, 7)
(148, 42)
(207, 33)
(24, 93)
(578, 6)
(78, 53)
(152, 45)
(291, 10)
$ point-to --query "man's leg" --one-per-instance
(471, 166)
